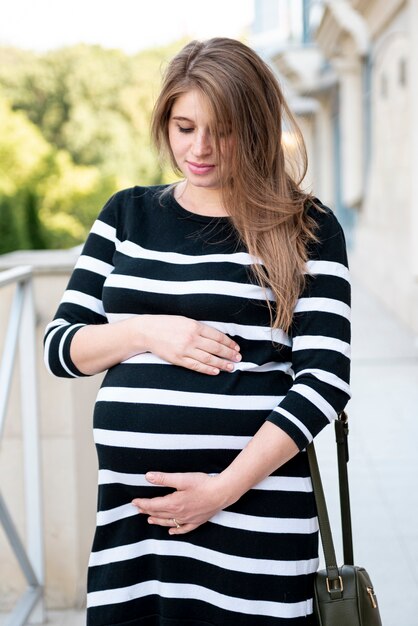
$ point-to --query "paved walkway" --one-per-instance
(383, 467)
(58, 618)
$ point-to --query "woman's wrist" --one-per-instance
(267, 450)
(139, 333)
(229, 488)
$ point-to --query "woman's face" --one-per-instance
(191, 142)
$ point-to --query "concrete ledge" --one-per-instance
(42, 261)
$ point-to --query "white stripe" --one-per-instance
(116, 514)
(144, 358)
(316, 399)
(327, 377)
(256, 333)
(206, 287)
(323, 305)
(171, 397)
(319, 342)
(269, 567)
(147, 358)
(272, 366)
(240, 521)
(120, 317)
(58, 322)
(109, 477)
(61, 324)
(254, 523)
(104, 230)
(91, 264)
(196, 592)
(331, 268)
(157, 441)
(134, 250)
(271, 483)
(285, 483)
(61, 349)
(84, 300)
(294, 421)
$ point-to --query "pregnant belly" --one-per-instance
(166, 417)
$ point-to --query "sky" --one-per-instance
(131, 25)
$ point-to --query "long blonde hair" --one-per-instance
(261, 184)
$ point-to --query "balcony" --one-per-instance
(65, 456)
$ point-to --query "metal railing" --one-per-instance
(20, 334)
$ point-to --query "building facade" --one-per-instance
(347, 70)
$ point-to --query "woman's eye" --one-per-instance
(182, 129)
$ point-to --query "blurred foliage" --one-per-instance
(74, 128)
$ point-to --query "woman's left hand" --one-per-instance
(197, 498)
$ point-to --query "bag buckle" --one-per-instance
(372, 596)
(334, 588)
(341, 432)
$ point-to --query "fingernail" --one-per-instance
(150, 476)
(237, 357)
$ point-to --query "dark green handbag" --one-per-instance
(344, 596)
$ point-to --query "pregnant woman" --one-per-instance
(219, 307)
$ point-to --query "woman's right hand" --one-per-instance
(188, 343)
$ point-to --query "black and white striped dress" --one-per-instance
(253, 563)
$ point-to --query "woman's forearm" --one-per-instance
(175, 339)
(95, 348)
(268, 450)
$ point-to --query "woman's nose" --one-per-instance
(202, 144)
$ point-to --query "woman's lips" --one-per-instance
(200, 168)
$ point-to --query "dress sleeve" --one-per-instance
(320, 340)
(81, 303)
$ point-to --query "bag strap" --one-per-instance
(341, 437)
(334, 580)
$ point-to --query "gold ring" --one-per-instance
(176, 522)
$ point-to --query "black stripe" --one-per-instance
(234, 541)
(327, 286)
(259, 502)
(199, 614)
(126, 460)
(216, 307)
(180, 570)
(169, 271)
(337, 326)
(164, 419)
(179, 378)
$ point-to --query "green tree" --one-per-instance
(23, 152)
(45, 199)
(76, 129)
(94, 103)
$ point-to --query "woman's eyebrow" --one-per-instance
(182, 119)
